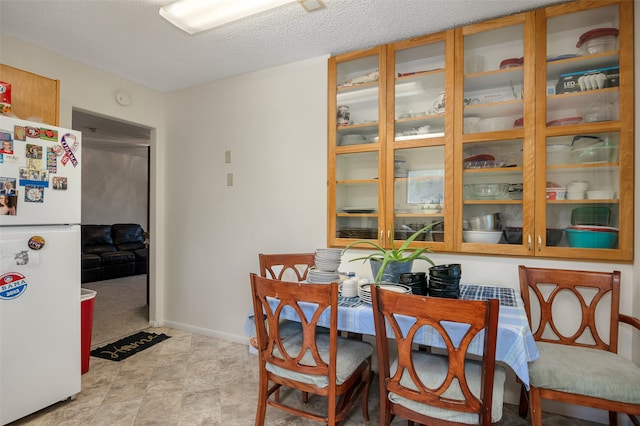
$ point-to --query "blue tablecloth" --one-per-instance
(515, 345)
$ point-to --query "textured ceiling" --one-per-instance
(130, 39)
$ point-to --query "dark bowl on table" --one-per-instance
(453, 270)
(448, 294)
(418, 288)
(444, 285)
(413, 277)
(450, 280)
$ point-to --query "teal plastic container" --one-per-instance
(591, 239)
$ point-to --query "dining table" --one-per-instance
(515, 346)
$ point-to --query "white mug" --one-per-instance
(349, 288)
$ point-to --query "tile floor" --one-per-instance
(192, 379)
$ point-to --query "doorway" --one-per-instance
(116, 159)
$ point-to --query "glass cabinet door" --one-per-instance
(356, 135)
(419, 146)
(419, 193)
(583, 138)
(495, 134)
(356, 195)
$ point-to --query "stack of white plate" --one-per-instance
(327, 262)
(353, 139)
(321, 277)
(364, 291)
(328, 259)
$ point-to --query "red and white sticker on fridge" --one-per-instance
(12, 285)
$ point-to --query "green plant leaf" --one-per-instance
(394, 254)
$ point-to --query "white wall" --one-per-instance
(114, 184)
(274, 124)
(206, 235)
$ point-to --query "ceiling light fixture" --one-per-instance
(194, 16)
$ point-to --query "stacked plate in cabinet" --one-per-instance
(353, 139)
(444, 281)
(364, 290)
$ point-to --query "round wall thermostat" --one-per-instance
(123, 98)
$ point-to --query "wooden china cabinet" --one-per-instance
(417, 127)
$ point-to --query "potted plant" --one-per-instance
(383, 258)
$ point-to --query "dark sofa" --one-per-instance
(113, 251)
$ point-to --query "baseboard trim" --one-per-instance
(207, 332)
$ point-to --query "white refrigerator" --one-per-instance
(40, 190)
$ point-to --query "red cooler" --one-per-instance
(87, 301)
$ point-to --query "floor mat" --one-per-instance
(131, 345)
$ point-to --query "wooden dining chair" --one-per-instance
(578, 364)
(290, 267)
(437, 388)
(286, 266)
(336, 368)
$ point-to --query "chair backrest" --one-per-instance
(475, 316)
(270, 346)
(590, 295)
(286, 267)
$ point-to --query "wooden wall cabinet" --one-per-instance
(356, 138)
(390, 160)
(494, 131)
(606, 110)
(479, 105)
(32, 95)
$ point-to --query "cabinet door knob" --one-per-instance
(529, 242)
(539, 242)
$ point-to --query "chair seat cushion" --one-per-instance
(351, 353)
(586, 371)
(432, 369)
